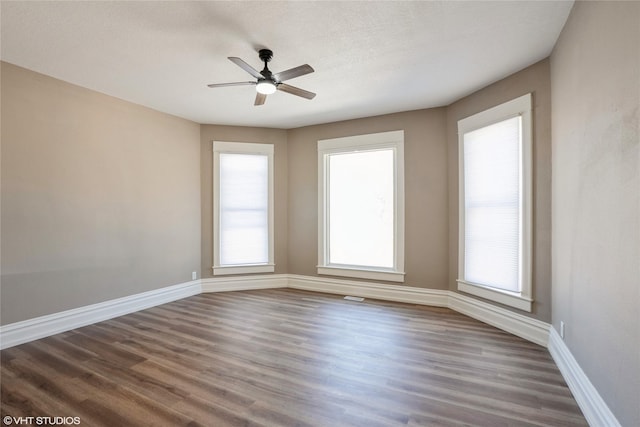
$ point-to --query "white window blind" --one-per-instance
(492, 205)
(361, 217)
(495, 203)
(243, 203)
(244, 209)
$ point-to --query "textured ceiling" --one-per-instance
(370, 58)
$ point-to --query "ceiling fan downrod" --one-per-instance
(265, 56)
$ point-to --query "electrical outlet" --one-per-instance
(194, 275)
(561, 329)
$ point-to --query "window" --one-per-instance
(361, 206)
(243, 208)
(495, 203)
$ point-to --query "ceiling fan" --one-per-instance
(268, 82)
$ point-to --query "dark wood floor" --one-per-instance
(283, 357)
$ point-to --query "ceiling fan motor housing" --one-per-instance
(265, 55)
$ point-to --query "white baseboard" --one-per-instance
(525, 327)
(593, 407)
(244, 283)
(408, 294)
(40, 327)
(517, 324)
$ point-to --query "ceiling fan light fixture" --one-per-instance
(266, 87)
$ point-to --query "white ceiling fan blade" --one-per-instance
(293, 73)
(248, 68)
(231, 84)
(296, 91)
(260, 98)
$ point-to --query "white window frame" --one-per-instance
(393, 140)
(520, 106)
(241, 148)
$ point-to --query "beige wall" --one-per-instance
(534, 79)
(278, 137)
(100, 197)
(595, 75)
(426, 219)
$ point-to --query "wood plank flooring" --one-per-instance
(284, 357)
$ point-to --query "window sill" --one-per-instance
(390, 276)
(243, 269)
(503, 297)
